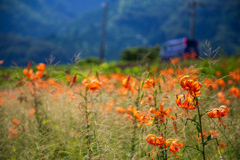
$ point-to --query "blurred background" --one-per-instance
(35, 29)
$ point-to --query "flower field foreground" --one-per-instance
(172, 113)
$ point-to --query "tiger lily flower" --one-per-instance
(235, 92)
(15, 122)
(218, 113)
(155, 141)
(41, 66)
(213, 133)
(126, 82)
(92, 83)
(73, 80)
(31, 111)
(160, 113)
(191, 86)
(12, 133)
(199, 136)
(149, 83)
(140, 116)
(149, 98)
(187, 104)
(27, 72)
(176, 145)
(222, 100)
(129, 84)
(120, 110)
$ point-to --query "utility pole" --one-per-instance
(104, 23)
(193, 5)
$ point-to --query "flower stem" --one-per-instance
(36, 106)
(200, 122)
(135, 123)
(88, 126)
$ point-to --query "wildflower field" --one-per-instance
(180, 110)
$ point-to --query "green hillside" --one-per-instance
(134, 23)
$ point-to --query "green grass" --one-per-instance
(64, 134)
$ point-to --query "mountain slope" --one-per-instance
(134, 23)
(72, 27)
(38, 18)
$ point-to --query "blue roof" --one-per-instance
(174, 41)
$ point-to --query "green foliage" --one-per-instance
(88, 61)
(140, 54)
(224, 65)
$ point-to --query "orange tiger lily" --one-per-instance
(222, 145)
(92, 83)
(149, 83)
(221, 82)
(176, 145)
(191, 86)
(31, 111)
(235, 92)
(218, 113)
(41, 66)
(155, 141)
(218, 73)
(15, 122)
(221, 98)
(149, 97)
(73, 80)
(160, 113)
(235, 75)
(39, 74)
(129, 84)
(126, 82)
(140, 116)
(27, 72)
(213, 133)
(209, 83)
(12, 133)
(120, 110)
(200, 136)
(187, 104)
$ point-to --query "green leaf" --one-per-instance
(155, 92)
(195, 117)
(142, 85)
(203, 114)
(205, 143)
(163, 79)
(153, 121)
(197, 147)
(208, 137)
(141, 97)
(185, 123)
(184, 149)
(97, 75)
(198, 128)
(159, 87)
(148, 75)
